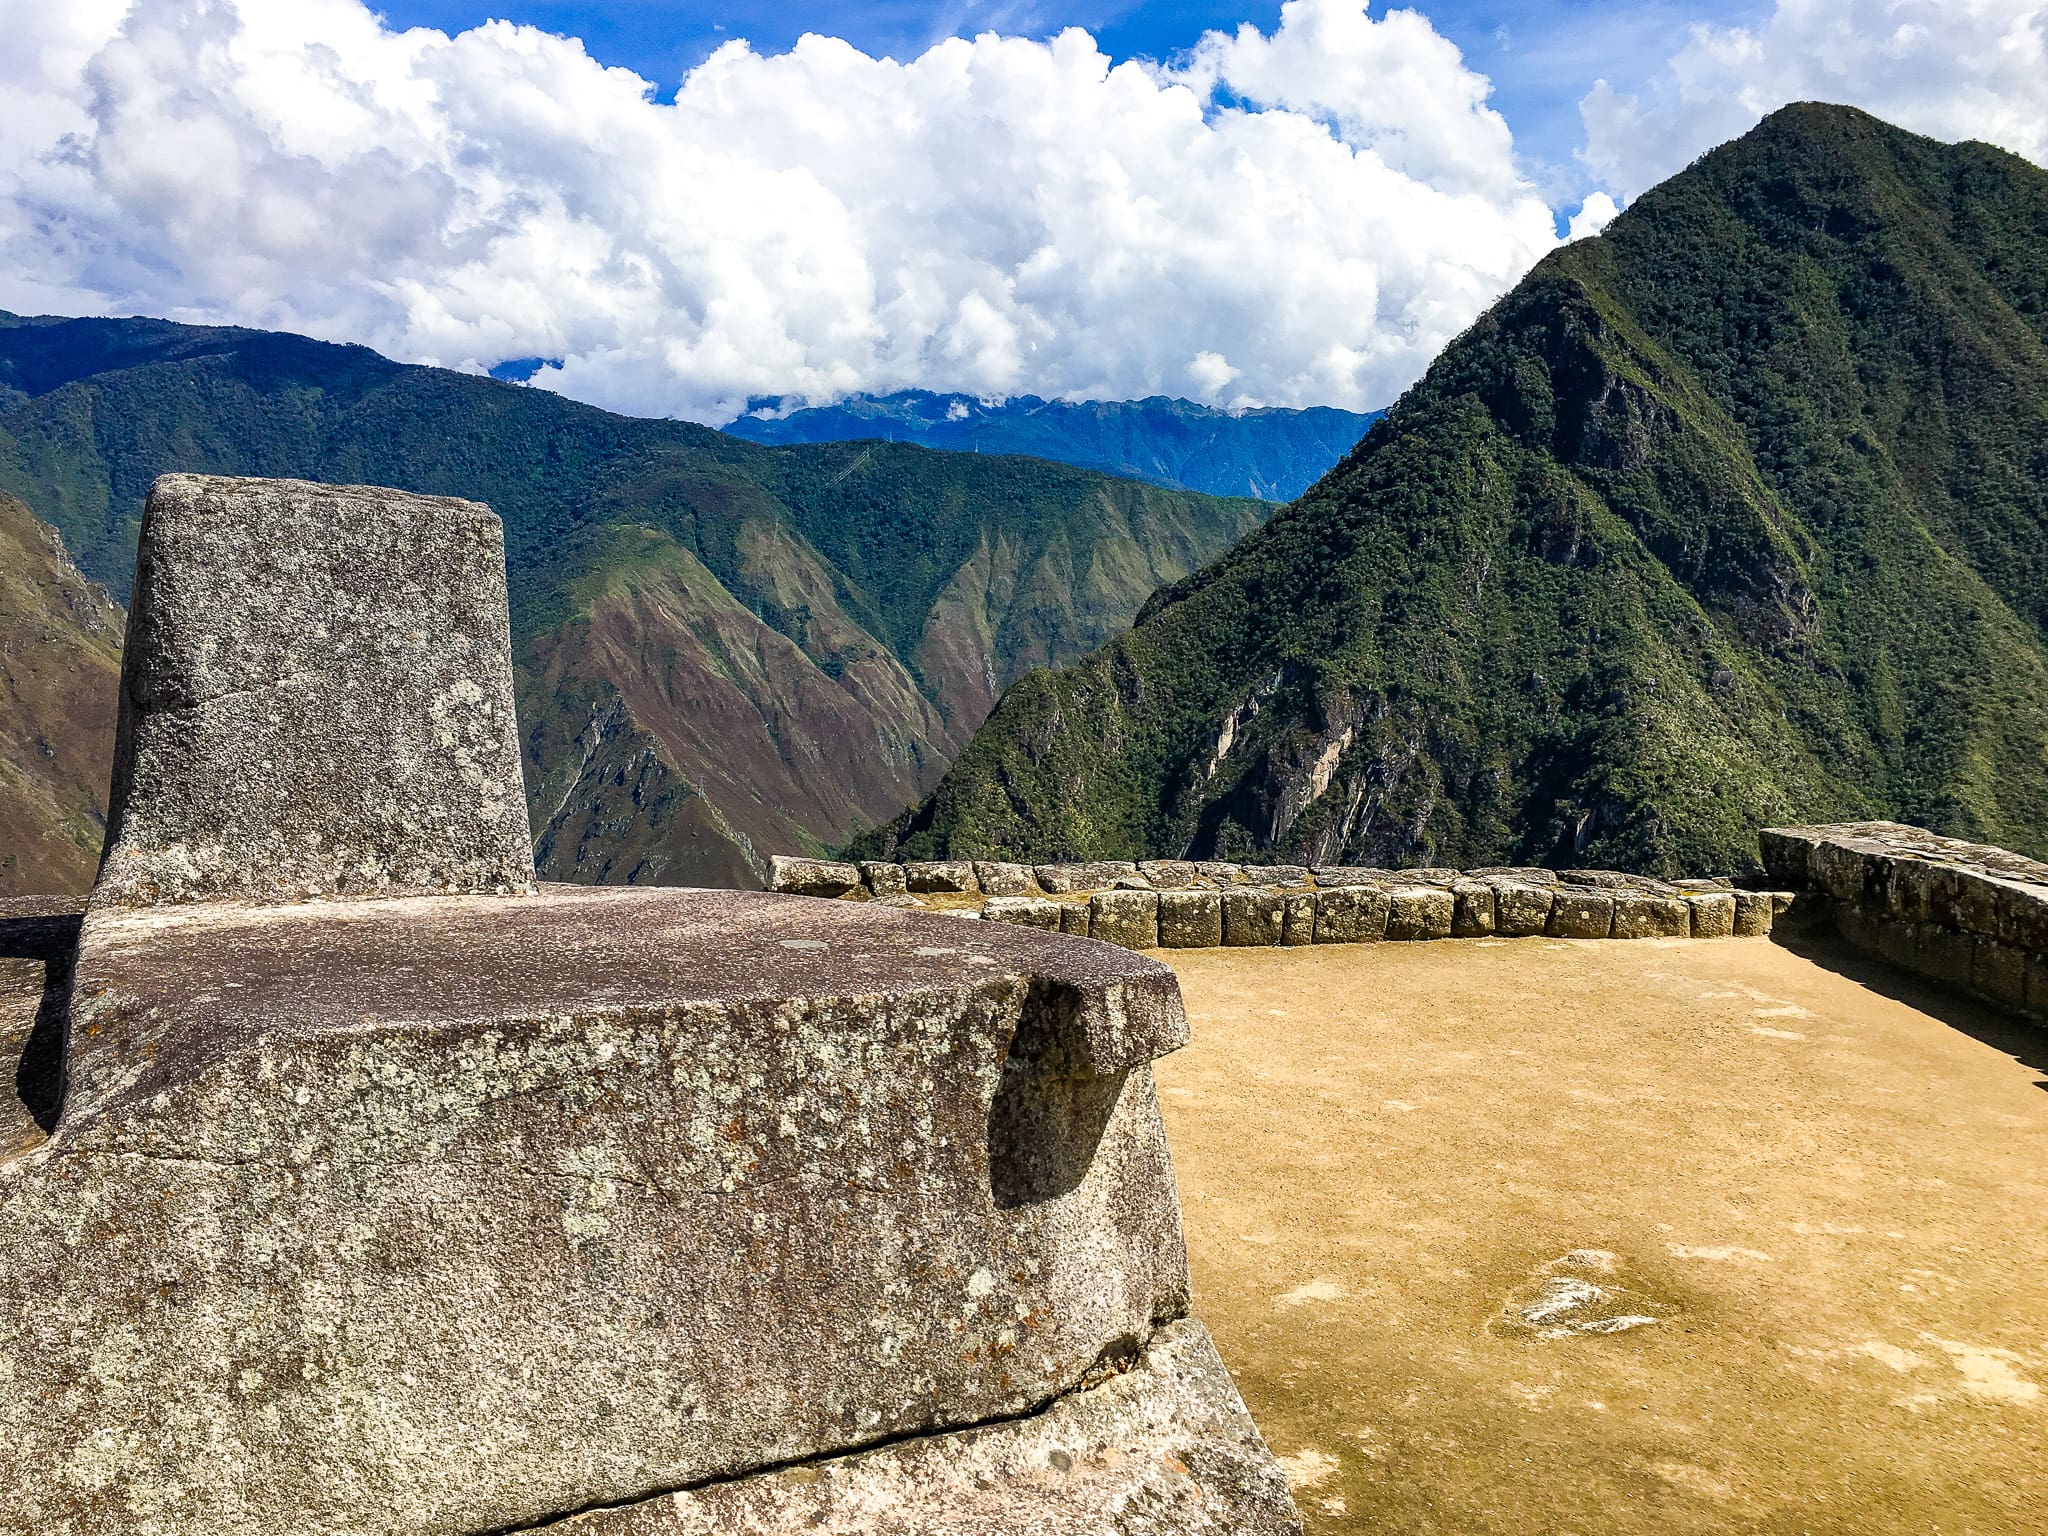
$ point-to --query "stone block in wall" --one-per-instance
(1167, 874)
(1638, 915)
(1520, 910)
(1753, 913)
(812, 877)
(1298, 918)
(1912, 892)
(1253, 917)
(1713, 913)
(1351, 914)
(2037, 985)
(1944, 954)
(2023, 916)
(1848, 872)
(1277, 874)
(1524, 874)
(1975, 904)
(1219, 871)
(1024, 911)
(1420, 912)
(1190, 919)
(1074, 919)
(1581, 914)
(884, 877)
(1473, 916)
(1598, 879)
(1877, 934)
(1098, 875)
(1004, 879)
(1330, 876)
(939, 876)
(1999, 972)
(1126, 918)
(1786, 851)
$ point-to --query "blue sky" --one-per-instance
(1542, 55)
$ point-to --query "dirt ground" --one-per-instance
(1671, 1236)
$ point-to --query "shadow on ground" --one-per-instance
(2020, 1038)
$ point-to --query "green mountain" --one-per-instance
(725, 650)
(1270, 453)
(60, 674)
(1735, 515)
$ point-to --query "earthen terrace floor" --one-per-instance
(1409, 1170)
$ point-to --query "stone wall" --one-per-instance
(1966, 914)
(1176, 904)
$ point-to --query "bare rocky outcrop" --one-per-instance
(367, 1210)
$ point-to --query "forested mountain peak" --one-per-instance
(1735, 514)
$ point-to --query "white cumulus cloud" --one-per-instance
(1952, 69)
(1295, 217)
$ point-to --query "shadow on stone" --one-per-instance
(2025, 1042)
(49, 942)
(1047, 1119)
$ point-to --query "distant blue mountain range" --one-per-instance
(1273, 454)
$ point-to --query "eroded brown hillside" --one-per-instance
(60, 670)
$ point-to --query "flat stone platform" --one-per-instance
(481, 1212)
(188, 986)
(1667, 1237)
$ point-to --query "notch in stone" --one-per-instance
(316, 699)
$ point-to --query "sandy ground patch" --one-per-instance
(1670, 1236)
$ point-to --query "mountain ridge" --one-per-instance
(1735, 514)
(815, 598)
(1268, 452)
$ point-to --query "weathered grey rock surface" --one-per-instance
(1119, 1459)
(471, 1211)
(453, 1214)
(316, 698)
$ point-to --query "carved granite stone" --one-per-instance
(1118, 1459)
(316, 698)
(453, 1214)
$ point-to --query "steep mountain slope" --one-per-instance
(1737, 514)
(1273, 454)
(727, 650)
(60, 678)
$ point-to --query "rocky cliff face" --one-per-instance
(1736, 515)
(60, 669)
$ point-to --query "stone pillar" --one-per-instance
(316, 699)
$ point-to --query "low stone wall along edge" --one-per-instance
(1182, 904)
